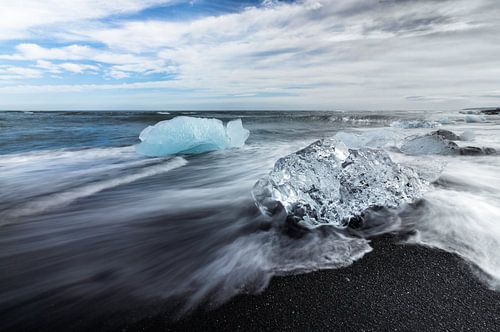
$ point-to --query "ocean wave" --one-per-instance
(250, 262)
(62, 155)
(465, 224)
(61, 199)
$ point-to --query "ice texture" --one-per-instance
(189, 135)
(371, 139)
(444, 120)
(474, 118)
(328, 184)
(415, 124)
(429, 144)
(439, 142)
(446, 134)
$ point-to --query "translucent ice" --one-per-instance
(184, 134)
(429, 144)
(474, 118)
(328, 184)
(371, 139)
(415, 124)
(439, 142)
(444, 120)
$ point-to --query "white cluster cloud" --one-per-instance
(76, 68)
(308, 54)
(22, 19)
(15, 73)
(121, 64)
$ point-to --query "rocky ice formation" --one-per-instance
(476, 151)
(446, 134)
(488, 111)
(429, 144)
(328, 184)
(440, 142)
(495, 111)
(189, 135)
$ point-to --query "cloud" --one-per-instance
(16, 73)
(31, 51)
(319, 54)
(56, 88)
(21, 19)
(117, 74)
(76, 68)
(121, 62)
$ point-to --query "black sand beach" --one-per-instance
(396, 287)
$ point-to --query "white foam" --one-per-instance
(65, 155)
(61, 199)
(466, 224)
(464, 218)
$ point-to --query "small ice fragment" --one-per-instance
(474, 118)
(444, 120)
(415, 124)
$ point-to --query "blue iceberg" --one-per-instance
(190, 135)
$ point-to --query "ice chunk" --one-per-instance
(236, 133)
(474, 118)
(328, 184)
(470, 112)
(371, 139)
(444, 120)
(429, 144)
(184, 134)
(438, 142)
(415, 124)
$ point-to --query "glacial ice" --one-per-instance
(415, 124)
(469, 118)
(429, 144)
(190, 135)
(444, 120)
(371, 139)
(328, 184)
(439, 142)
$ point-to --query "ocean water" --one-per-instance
(90, 229)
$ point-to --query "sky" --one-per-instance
(201, 54)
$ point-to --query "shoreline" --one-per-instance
(395, 287)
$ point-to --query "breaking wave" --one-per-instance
(63, 198)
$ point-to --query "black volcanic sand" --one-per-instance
(395, 287)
